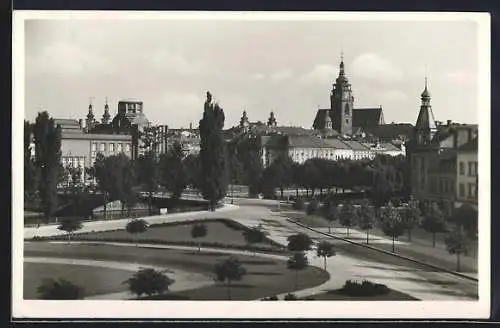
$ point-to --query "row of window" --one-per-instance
(111, 147)
(472, 168)
(73, 161)
(471, 190)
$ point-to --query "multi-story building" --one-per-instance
(433, 156)
(467, 174)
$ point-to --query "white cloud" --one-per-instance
(461, 77)
(394, 95)
(281, 75)
(174, 63)
(179, 101)
(68, 59)
(258, 76)
(321, 74)
(374, 68)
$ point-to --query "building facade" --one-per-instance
(433, 155)
(467, 174)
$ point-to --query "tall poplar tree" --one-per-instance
(213, 156)
(47, 160)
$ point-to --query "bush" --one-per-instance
(60, 289)
(312, 207)
(298, 204)
(290, 297)
(365, 288)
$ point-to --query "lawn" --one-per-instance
(95, 280)
(336, 295)
(265, 276)
(218, 232)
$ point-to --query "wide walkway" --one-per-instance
(397, 274)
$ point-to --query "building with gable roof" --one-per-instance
(432, 152)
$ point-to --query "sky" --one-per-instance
(259, 66)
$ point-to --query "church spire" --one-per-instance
(342, 70)
(106, 116)
(426, 124)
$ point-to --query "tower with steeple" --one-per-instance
(425, 127)
(271, 122)
(90, 120)
(244, 124)
(106, 116)
(341, 102)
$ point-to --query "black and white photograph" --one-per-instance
(331, 159)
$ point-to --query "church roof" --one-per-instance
(391, 131)
(315, 142)
(320, 119)
(426, 119)
(354, 145)
(366, 117)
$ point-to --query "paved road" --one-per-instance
(351, 261)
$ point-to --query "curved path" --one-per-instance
(183, 280)
(349, 263)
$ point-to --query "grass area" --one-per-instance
(220, 233)
(337, 295)
(265, 276)
(95, 280)
(419, 248)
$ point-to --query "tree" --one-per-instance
(198, 231)
(47, 159)
(283, 166)
(70, 226)
(60, 289)
(214, 166)
(148, 174)
(299, 242)
(135, 227)
(434, 221)
(457, 243)
(101, 173)
(348, 215)
(366, 218)
(249, 154)
(331, 213)
(324, 250)
(192, 166)
(392, 224)
(228, 271)
(30, 176)
(465, 217)
(298, 261)
(121, 178)
(255, 235)
(411, 215)
(174, 176)
(149, 282)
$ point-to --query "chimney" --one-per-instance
(80, 123)
(190, 126)
(448, 122)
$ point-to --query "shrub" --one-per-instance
(299, 204)
(365, 288)
(290, 297)
(60, 289)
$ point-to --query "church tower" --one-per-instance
(90, 118)
(106, 116)
(341, 103)
(426, 127)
